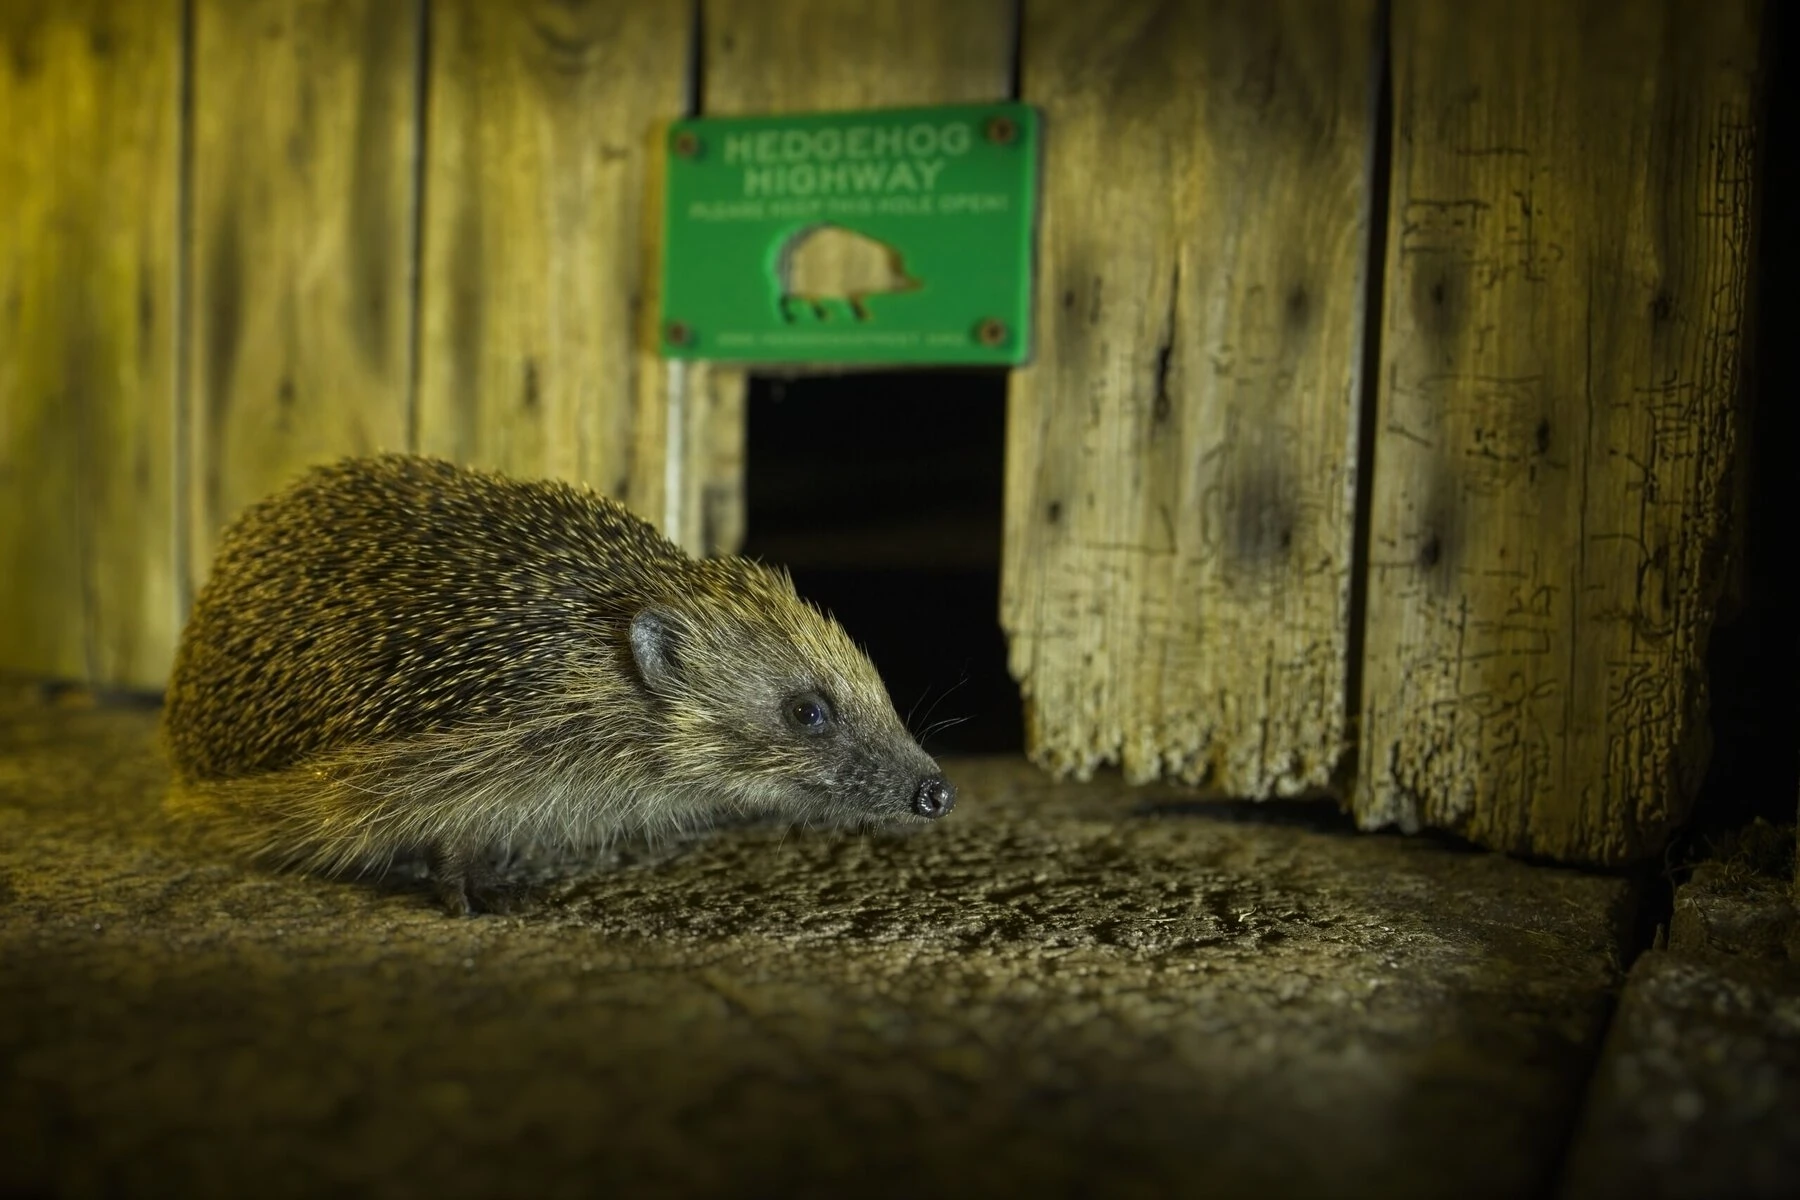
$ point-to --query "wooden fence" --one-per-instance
(1380, 439)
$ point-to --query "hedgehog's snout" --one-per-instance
(935, 797)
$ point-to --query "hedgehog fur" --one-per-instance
(398, 656)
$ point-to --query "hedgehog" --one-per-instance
(398, 657)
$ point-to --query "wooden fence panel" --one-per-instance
(536, 275)
(797, 55)
(301, 254)
(1181, 455)
(89, 177)
(1567, 255)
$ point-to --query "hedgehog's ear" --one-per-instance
(653, 647)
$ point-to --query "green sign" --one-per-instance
(896, 236)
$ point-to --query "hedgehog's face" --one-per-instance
(784, 714)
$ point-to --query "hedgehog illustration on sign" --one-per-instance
(829, 262)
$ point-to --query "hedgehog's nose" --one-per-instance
(934, 798)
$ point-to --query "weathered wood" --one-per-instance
(702, 408)
(89, 172)
(301, 255)
(536, 275)
(804, 55)
(784, 55)
(1565, 284)
(1181, 462)
(687, 461)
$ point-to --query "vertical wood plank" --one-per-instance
(1565, 288)
(89, 172)
(698, 432)
(802, 55)
(794, 55)
(1181, 454)
(687, 421)
(301, 254)
(536, 273)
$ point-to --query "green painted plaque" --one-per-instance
(889, 236)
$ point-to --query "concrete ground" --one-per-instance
(1697, 1092)
(1060, 990)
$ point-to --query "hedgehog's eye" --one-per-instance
(810, 714)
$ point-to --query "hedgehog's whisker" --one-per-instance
(942, 697)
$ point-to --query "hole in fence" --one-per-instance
(882, 494)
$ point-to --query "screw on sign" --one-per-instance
(991, 332)
(824, 263)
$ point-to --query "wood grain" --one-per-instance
(687, 420)
(1181, 458)
(89, 172)
(536, 275)
(1567, 256)
(794, 55)
(301, 255)
(703, 421)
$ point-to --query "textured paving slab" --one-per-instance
(1059, 991)
(1698, 1091)
(1741, 902)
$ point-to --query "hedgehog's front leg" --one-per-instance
(464, 883)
